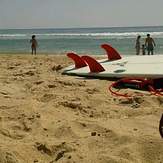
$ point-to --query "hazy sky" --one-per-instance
(79, 13)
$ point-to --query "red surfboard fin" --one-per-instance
(111, 52)
(79, 62)
(94, 66)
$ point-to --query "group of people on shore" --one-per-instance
(148, 45)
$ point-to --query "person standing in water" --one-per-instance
(149, 43)
(34, 44)
(137, 45)
(143, 49)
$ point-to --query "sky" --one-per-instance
(79, 13)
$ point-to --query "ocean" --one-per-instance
(79, 40)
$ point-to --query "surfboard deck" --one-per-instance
(147, 66)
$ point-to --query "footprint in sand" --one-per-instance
(47, 97)
(19, 128)
(77, 107)
(65, 132)
(92, 91)
(71, 83)
(56, 67)
(12, 133)
(57, 151)
(6, 156)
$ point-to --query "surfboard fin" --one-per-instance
(94, 66)
(111, 52)
(79, 62)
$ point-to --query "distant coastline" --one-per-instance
(45, 28)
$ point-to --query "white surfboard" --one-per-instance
(145, 66)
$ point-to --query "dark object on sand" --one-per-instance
(161, 126)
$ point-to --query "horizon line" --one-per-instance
(38, 28)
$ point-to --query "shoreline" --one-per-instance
(28, 53)
(50, 54)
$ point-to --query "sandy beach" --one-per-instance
(47, 117)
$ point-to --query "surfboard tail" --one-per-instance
(94, 66)
(111, 52)
(79, 62)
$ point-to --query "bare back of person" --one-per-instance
(149, 43)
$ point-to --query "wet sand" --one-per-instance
(47, 117)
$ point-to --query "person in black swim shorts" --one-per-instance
(149, 43)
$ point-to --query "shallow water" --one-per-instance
(80, 40)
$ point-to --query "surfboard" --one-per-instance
(116, 66)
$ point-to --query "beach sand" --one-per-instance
(47, 117)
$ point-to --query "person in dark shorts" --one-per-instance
(149, 44)
(34, 44)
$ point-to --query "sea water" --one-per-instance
(79, 40)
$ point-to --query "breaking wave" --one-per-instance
(104, 34)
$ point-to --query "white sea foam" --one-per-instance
(105, 34)
(124, 34)
(13, 35)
